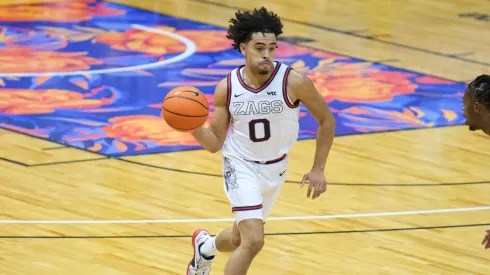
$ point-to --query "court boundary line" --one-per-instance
(190, 50)
(51, 163)
(54, 148)
(322, 217)
(266, 234)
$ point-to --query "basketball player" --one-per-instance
(476, 108)
(261, 99)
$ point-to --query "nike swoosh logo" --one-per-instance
(238, 95)
(283, 173)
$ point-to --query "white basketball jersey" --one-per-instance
(264, 122)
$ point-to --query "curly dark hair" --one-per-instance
(479, 89)
(245, 24)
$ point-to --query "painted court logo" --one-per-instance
(97, 81)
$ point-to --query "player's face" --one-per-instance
(259, 52)
(472, 112)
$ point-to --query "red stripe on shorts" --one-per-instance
(245, 208)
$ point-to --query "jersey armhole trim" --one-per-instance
(285, 91)
(228, 91)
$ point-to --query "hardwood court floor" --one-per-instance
(417, 174)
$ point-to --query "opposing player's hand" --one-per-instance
(486, 240)
(318, 183)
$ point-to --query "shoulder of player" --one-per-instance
(298, 84)
(296, 80)
(221, 92)
(222, 85)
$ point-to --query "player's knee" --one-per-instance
(252, 235)
(253, 244)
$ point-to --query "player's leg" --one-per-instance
(243, 191)
(251, 221)
(237, 173)
(229, 239)
(206, 247)
(226, 241)
(252, 241)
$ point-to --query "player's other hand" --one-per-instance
(486, 240)
(318, 183)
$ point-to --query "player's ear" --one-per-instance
(477, 107)
(243, 49)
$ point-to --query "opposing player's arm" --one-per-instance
(302, 88)
(213, 137)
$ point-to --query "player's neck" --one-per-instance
(254, 80)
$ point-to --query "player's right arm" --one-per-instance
(213, 137)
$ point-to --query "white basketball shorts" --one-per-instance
(252, 188)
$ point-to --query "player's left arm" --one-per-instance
(302, 88)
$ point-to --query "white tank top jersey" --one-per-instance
(264, 121)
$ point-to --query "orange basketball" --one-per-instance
(185, 108)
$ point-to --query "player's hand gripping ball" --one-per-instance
(185, 108)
